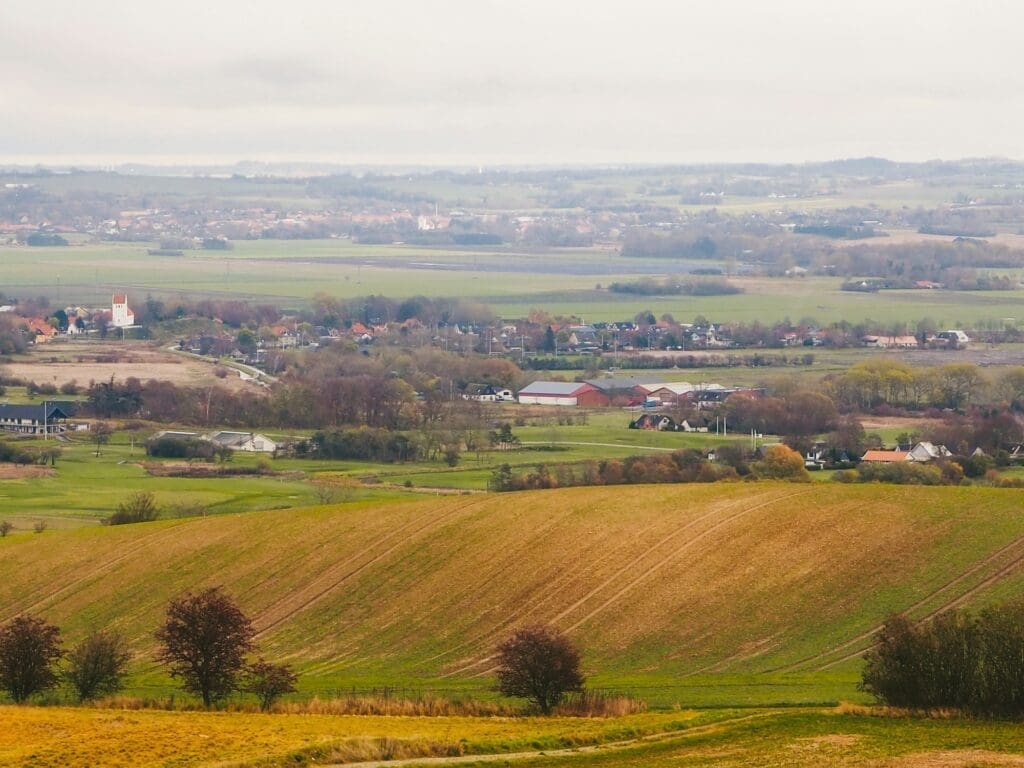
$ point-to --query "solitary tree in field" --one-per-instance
(269, 682)
(29, 651)
(204, 640)
(97, 665)
(100, 434)
(540, 665)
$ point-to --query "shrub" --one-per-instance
(140, 507)
(782, 463)
(39, 526)
(29, 651)
(540, 665)
(96, 666)
(269, 682)
(6, 526)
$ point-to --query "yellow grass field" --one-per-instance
(59, 362)
(65, 737)
(661, 585)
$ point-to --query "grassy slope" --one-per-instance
(705, 594)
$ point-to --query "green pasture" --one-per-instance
(811, 739)
(512, 281)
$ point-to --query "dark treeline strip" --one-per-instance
(683, 466)
(972, 662)
(670, 287)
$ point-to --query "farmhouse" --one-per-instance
(492, 394)
(250, 442)
(655, 421)
(47, 418)
(924, 452)
(885, 457)
(562, 393)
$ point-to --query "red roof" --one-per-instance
(885, 456)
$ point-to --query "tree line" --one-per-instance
(959, 659)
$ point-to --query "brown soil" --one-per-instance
(23, 472)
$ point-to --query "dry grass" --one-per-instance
(48, 737)
(60, 362)
(24, 472)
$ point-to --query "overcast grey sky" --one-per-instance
(481, 81)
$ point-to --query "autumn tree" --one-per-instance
(540, 665)
(29, 652)
(781, 462)
(204, 640)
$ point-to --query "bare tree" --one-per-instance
(29, 651)
(540, 665)
(269, 682)
(100, 434)
(204, 640)
(6, 526)
(97, 665)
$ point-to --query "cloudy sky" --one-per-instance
(529, 81)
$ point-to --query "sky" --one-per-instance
(482, 82)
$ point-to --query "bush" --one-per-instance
(6, 526)
(96, 666)
(140, 507)
(269, 682)
(29, 651)
(782, 463)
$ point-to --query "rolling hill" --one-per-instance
(663, 586)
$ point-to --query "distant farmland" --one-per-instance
(513, 281)
(701, 594)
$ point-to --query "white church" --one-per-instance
(121, 315)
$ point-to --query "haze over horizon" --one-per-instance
(491, 83)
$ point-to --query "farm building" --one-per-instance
(890, 342)
(492, 394)
(667, 391)
(250, 442)
(47, 418)
(656, 421)
(924, 452)
(562, 393)
(885, 457)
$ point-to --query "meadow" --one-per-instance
(721, 595)
(512, 281)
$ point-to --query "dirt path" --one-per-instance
(611, 746)
(600, 445)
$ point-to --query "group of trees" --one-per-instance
(960, 660)
(683, 466)
(205, 641)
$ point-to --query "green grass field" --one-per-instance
(512, 281)
(723, 595)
